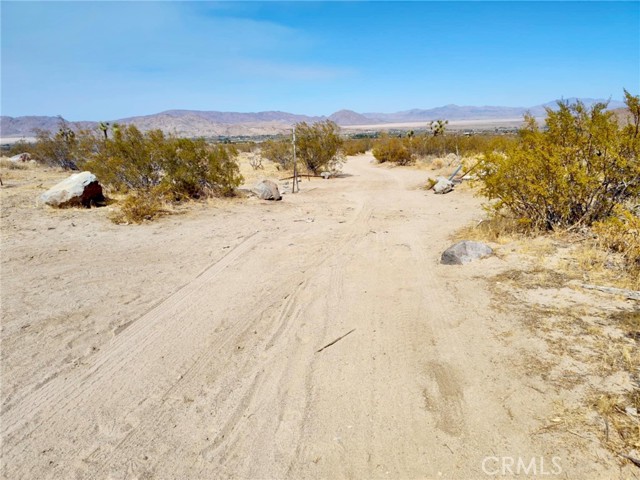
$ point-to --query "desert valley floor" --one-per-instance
(191, 347)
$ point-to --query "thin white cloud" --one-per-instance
(287, 71)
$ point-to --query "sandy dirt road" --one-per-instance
(189, 348)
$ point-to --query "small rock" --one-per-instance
(465, 252)
(266, 190)
(633, 411)
(443, 185)
(79, 189)
(326, 175)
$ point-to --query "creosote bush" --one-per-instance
(319, 146)
(279, 152)
(394, 150)
(574, 172)
(67, 148)
(178, 168)
(356, 146)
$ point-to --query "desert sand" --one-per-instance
(192, 347)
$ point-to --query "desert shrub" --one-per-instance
(193, 169)
(179, 167)
(621, 233)
(21, 146)
(245, 147)
(279, 152)
(318, 146)
(425, 145)
(68, 148)
(393, 149)
(130, 160)
(573, 172)
(356, 146)
(139, 206)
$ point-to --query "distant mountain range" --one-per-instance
(212, 123)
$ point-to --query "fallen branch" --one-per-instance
(630, 294)
(303, 175)
(635, 461)
(335, 341)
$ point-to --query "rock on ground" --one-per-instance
(21, 157)
(465, 252)
(266, 190)
(79, 189)
(443, 185)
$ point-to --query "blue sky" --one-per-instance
(108, 60)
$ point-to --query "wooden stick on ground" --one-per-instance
(336, 340)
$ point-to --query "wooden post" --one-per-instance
(295, 164)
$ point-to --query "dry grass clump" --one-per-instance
(498, 229)
(138, 207)
(9, 165)
(622, 423)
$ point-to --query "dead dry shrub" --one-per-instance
(139, 206)
(621, 233)
(9, 165)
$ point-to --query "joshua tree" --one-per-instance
(104, 127)
(438, 127)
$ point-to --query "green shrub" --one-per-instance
(393, 149)
(279, 152)
(179, 167)
(356, 146)
(318, 146)
(67, 148)
(573, 172)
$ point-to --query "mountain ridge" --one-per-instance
(218, 123)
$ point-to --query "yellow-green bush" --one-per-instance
(356, 146)
(179, 167)
(575, 171)
(393, 149)
(279, 152)
(318, 146)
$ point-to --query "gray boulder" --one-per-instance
(79, 189)
(465, 252)
(443, 185)
(20, 158)
(266, 190)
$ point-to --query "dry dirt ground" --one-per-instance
(192, 347)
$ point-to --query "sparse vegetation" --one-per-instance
(179, 168)
(138, 206)
(393, 150)
(356, 146)
(319, 146)
(149, 167)
(67, 148)
(278, 151)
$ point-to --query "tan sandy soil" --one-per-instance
(189, 347)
